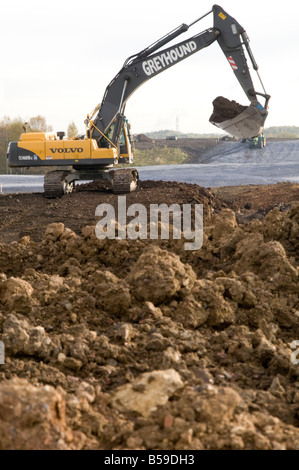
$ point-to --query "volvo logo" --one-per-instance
(67, 150)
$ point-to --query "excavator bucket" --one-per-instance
(244, 122)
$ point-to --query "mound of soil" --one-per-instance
(122, 344)
(29, 214)
(225, 109)
(143, 138)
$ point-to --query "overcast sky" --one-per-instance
(58, 57)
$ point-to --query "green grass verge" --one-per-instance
(159, 156)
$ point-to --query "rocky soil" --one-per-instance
(119, 344)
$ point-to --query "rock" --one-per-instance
(72, 363)
(171, 357)
(276, 388)
(111, 294)
(54, 231)
(13, 288)
(87, 392)
(269, 261)
(147, 392)
(24, 240)
(20, 337)
(32, 418)
(88, 231)
(190, 313)
(55, 282)
(158, 275)
(224, 224)
(217, 405)
(210, 296)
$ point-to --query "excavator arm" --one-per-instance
(139, 70)
(148, 63)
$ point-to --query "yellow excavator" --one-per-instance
(108, 139)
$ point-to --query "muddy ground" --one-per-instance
(117, 344)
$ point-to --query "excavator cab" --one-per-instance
(126, 149)
(125, 144)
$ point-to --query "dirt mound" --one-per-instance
(225, 109)
(29, 214)
(143, 138)
(119, 344)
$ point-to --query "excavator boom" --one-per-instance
(148, 63)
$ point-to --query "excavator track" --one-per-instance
(125, 181)
(55, 184)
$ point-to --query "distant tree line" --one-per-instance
(291, 132)
(162, 134)
(282, 132)
(9, 130)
